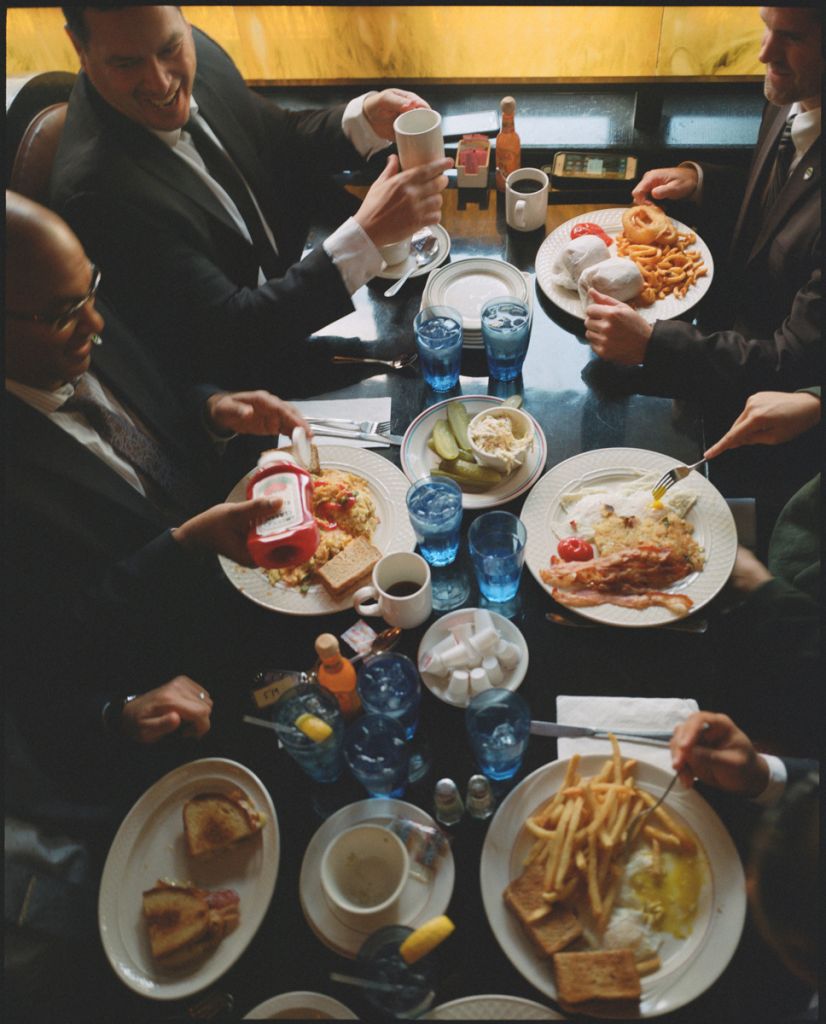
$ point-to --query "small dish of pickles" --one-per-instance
(492, 449)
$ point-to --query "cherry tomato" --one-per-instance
(327, 509)
(587, 228)
(325, 524)
(575, 549)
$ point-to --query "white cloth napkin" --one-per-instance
(356, 409)
(661, 713)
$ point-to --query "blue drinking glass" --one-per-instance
(376, 752)
(409, 988)
(498, 724)
(435, 510)
(496, 541)
(506, 331)
(389, 684)
(439, 341)
(322, 760)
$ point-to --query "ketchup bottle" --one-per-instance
(290, 536)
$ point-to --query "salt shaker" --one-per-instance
(447, 802)
(480, 801)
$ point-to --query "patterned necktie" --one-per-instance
(782, 163)
(167, 484)
(224, 172)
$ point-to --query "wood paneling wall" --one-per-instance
(315, 44)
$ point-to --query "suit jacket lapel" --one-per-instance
(59, 454)
(796, 189)
(765, 148)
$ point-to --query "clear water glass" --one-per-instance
(498, 724)
(506, 332)
(496, 541)
(439, 341)
(389, 684)
(411, 989)
(376, 752)
(322, 761)
(435, 510)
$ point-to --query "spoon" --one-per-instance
(385, 641)
(394, 364)
(423, 250)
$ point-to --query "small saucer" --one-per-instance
(419, 901)
(397, 270)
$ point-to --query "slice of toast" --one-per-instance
(176, 916)
(524, 895)
(349, 566)
(555, 931)
(213, 821)
(601, 975)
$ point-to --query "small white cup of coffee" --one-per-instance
(419, 137)
(526, 199)
(401, 590)
(364, 870)
(395, 252)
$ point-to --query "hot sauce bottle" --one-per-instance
(290, 536)
(508, 146)
(336, 674)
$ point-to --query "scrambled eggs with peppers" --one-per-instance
(344, 510)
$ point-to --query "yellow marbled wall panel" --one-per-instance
(705, 41)
(316, 43)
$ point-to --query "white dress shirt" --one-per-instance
(349, 247)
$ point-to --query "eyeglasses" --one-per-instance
(68, 316)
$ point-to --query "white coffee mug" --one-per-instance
(526, 211)
(364, 870)
(395, 252)
(394, 578)
(418, 137)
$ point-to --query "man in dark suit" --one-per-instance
(112, 593)
(195, 195)
(765, 331)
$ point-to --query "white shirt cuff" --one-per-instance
(776, 786)
(353, 254)
(697, 195)
(357, 128)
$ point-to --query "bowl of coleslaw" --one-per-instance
(501, 437)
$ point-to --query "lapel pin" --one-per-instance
(808, 173)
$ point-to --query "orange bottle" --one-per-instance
(336, 674)
(508, 145)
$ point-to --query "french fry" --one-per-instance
(648, 966)
(656, 862)
(593, 884)
(567, 845)
(665, 838)
(617, 756)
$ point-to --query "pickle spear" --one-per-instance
(471, 472)
(464, 453)
(444, 442)
(458, 418)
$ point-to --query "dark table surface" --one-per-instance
(285, 955)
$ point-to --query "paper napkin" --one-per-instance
(661, 713)
(356, 409)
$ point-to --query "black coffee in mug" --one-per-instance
(527, 186)
(403, 588)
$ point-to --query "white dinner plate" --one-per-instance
(611, 222)
(397, 270)
(440, 630)
(418, 460)
(150, 845)
(419, 900)
(467, 284)
(291, 1005)
(714, 528)
(689, 966)
(499, 1008)
(388, 488)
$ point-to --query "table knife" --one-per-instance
(556, 729)
(356, 435)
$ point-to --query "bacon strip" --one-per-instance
(679, 604)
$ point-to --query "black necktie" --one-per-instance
(224, 172)
(167, 484)
(782, 163)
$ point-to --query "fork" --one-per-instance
(365, 426)
(631, 830)
(671, 477)
(395, 364)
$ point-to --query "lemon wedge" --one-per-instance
(425, 938)
(313, 726)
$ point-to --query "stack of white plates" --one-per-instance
(468, 284)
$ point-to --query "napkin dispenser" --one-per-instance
(472, 161)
